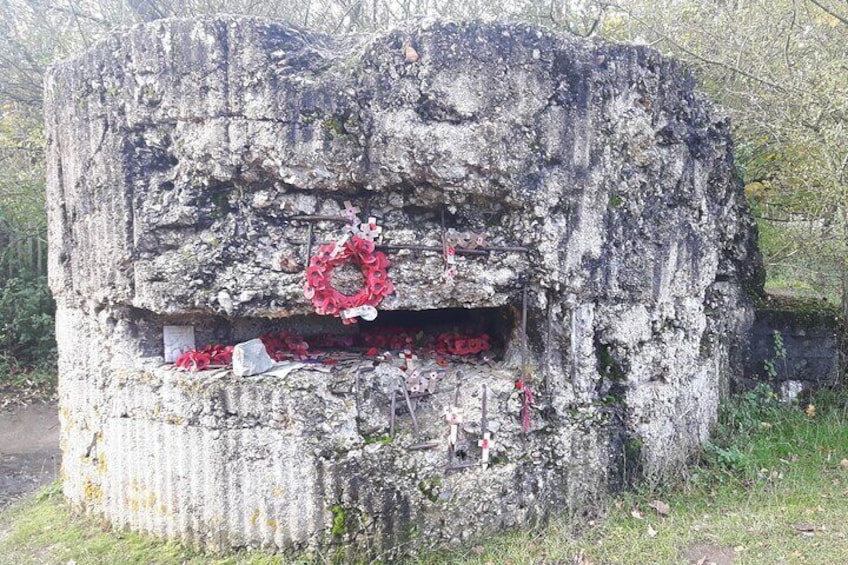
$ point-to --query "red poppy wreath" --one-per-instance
(373, 265)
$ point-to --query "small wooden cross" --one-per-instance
(339, 245)
(477, 240)
(454, 418)
(486, 443)
(409, 359)
(450, 264)
(433, 381)
(370, 230)
(351, 212)
(414, 382)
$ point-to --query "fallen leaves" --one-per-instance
(810, 411)
(661, 507)
(410, 55)
(581, 559)
(651, 532)
(804, 529)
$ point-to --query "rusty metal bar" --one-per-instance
(460, 467)
(484, 419)
(459, 250)
(308, 245)
(392, 414)
(524, 328)
(444, 231)
(409, 406)
(308, 218)
(358, 390)
(548, 332)
(425, 445)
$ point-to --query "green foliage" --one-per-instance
(27, 336)
(748, 421)
(339, 526)
(779, 355)
(747, 503)
(777, 68)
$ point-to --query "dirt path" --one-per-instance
(29, 449)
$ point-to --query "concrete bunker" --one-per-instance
(582, 211)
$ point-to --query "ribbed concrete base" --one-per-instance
(284, 461)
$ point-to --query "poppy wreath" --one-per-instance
(329, 301)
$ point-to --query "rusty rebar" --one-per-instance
(459, 250)
(524, 328)
(309, 236)
(313, 218)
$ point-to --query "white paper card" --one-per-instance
(178, 340)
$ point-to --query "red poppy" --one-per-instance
(193, 360)
(219, 355)
(361, 246)
(316, 277)
(328, 300)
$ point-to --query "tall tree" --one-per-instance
(778, 67)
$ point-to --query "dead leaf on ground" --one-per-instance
(652, 533)
(410, 55)
(661, 507)
(636, 514)
(805, 529)
(844, 463)
(704, 553)
(581, 559)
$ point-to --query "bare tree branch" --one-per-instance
(830, 12)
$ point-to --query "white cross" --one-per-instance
(370, 230)
(351, 212)
(409, 360)
(340, 243)
(432, 382)
(450, 264)
(486, 443)
(478, 240)
(413, 381)
(454, 418)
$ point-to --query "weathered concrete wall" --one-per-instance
(177, 154)
(805, 353)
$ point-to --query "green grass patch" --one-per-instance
(771, 487)
(42, 530)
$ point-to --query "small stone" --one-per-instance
(251, 358)
(226, 301)
(261, 200)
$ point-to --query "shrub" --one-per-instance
(27, 337)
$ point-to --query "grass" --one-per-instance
(22, 385)
(771, 487)
(27, 386)
(42, 530)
